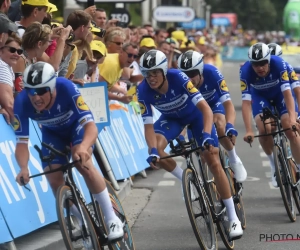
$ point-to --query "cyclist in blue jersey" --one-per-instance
(57, 105)
(180, 103)
(211, 83)
(276, 50)
(264, 79)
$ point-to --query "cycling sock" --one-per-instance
(106, 206)
(74, 210)
(271, 158)
(177, 172)
(230, 209)
(233, 158)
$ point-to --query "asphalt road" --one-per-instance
(164, 223)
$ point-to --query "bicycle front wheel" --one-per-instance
(283, 183)
(198, 211)
(74, 238)
(295, 190)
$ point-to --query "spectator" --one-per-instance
(165, 47)
(9, 54)
(4, 6)
(80, 22)
(99, 54)
(14, 12)
(114, 39)
(148, 42)
(100, 18)
(150, 29)
(6, 26)
(134, 36)
(32, 11)
(160, 36)
(112, 68)
(142, 32)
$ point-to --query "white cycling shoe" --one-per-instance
(273, 179)
(115, 230)
(235, 230)
(240, 173)
(193, 196)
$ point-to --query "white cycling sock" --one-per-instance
(106, 206)
(233, 158)
(177, 172)
(230, 209)
(74, 210)
(271, 158)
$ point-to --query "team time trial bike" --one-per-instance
(204, 204)
(285, 166)
(93, 233)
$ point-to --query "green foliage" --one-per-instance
(253, 14)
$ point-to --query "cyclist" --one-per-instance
(210, 82)
(264, 80)
(180, 103)
(276, 50)
(56, 104)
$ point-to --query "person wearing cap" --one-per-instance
(5, 28)
(32, 11)
(99, 54)
(179, 36)
(4, 6)
(148, 42)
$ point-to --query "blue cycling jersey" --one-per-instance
(68, 111)
(179, 101)
(214, 88)
(270, 86)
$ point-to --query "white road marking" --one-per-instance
(263, 154)
(166, 183)
(249, 178)
(168, 175)
(266, 164)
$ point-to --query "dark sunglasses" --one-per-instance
(131, 55)
(13, 50)
(192, 73)
(260, 64)
(37, 91)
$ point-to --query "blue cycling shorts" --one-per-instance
(171, 128)
(59, 140)
(260, 102)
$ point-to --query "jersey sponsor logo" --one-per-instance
(16, 123)
(80, 103)
(142, 108)
(223, 86)
(285, 76)
(176, 104)
(265, 85)
(191, 88)
(57, 121)
(208, 94)
(243, 85)
(184, 76)
(294, 76)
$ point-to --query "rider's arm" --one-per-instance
(22, 155)
(150, 136)
(247, 115)
(297, 94)
(290, 104)
(90, 135)
(207, 115)
(229, 112)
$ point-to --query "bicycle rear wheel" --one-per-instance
(283, 183)
(235, 187)
(295, 190)
(127, 241)
(206, 235)
(85, 237)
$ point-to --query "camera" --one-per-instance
(101, 33)
(121, 24)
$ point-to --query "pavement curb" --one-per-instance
(49, 237)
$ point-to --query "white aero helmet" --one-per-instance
(259, 52)
(275, 49)
(191, 61)
(40, 75)
(153, 59)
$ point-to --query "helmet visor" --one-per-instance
(259, 63)
(192, 73)
(37, 91)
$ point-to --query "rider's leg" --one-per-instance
(293, 138)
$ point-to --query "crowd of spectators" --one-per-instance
(87, 47)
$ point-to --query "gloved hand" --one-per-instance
(206, 139)
(231, 129)
(153, 154)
